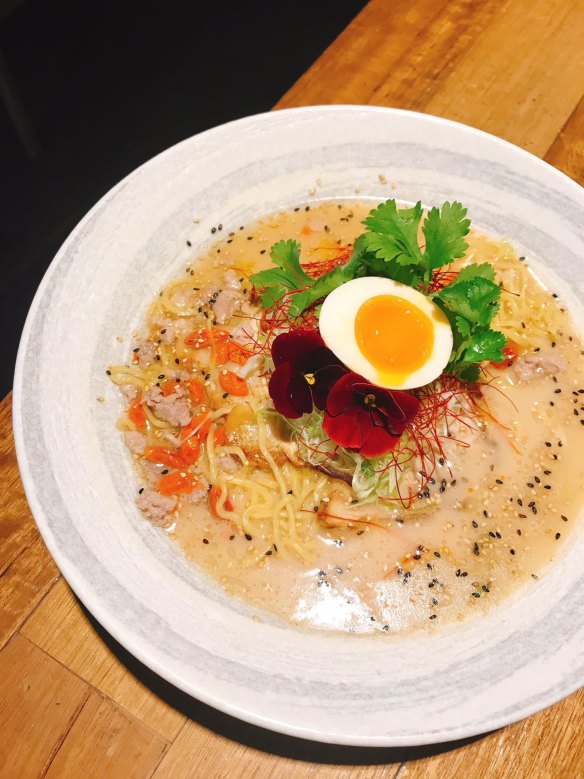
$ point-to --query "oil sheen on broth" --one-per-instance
(497, 510)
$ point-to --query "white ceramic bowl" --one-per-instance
(80, 484)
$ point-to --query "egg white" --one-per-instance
(337, 328)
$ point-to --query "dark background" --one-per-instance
(107, 85)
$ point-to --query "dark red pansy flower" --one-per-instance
(366, 418)
(305, 371)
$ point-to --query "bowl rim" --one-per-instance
(74, 577)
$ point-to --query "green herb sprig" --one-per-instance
(389, 248)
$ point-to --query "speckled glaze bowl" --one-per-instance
(373, 691)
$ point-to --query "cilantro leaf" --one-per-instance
(476, 299)
(486, 345)
(470, 373)
(444, 231)
(287, 276)
(393, 233)
(462, 325)
(324, 285)
(485, 270)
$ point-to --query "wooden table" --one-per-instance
(72, 702)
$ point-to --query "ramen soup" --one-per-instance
(298, 482)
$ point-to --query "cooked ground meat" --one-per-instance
(173, 408)
(529, 366)
(135, 441)
(157, 507)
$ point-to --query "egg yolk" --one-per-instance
(394, 334)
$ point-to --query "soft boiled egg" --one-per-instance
(387, 332)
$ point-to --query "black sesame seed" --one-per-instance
(512, 551)
(558, 536)
(205, 540)
(248, 537)
(108, 372)
(432, 616)
(141, 490)
(475, 524)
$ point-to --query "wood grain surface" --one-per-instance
(73, 703)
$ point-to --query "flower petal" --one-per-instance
(341, 396)
(344, 429)
(378, 442)
(293, 346)
(290, 392)
(367, 418)
(326, 369)
(396, 408)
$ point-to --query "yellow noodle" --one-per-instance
(154, 421)
(173, 308)
(125, 425)
(236, 451)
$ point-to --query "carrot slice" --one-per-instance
(136, 413)
(222, 353)
(238, 353)
(201, 423)
(196, 390)
(203, 338)
(214, 495)
(178, 482)
(232, 384)
(164, 456)
(167, 387)
(219, 437)
(511, 352)
(190, 449)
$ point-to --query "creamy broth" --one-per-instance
(496, 511)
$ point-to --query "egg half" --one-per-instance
(388, 332)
